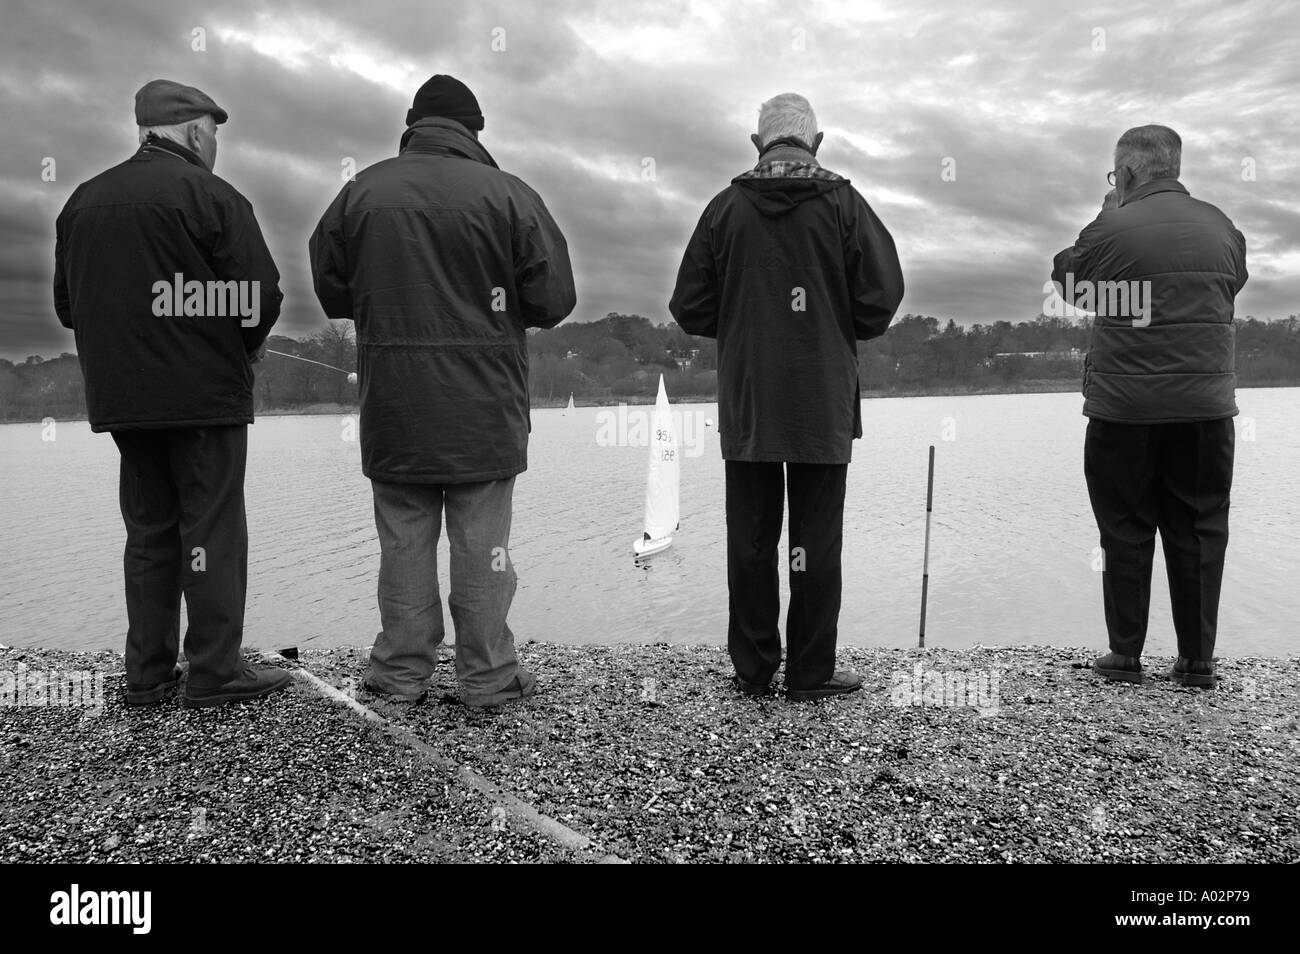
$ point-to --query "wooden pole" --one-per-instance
(925, 566)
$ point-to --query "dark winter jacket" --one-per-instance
(121, 240)
(788, 268)
(1172, 359)
(443, 261)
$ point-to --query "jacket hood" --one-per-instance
(446, 137)
(776, 187)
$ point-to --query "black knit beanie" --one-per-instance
(449, 98)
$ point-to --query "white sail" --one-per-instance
(663, 478)
(570, 407)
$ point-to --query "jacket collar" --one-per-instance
(158, 144)
(1151, 187)
(437, 136)
(786, 150)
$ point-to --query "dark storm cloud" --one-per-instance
(585, 96)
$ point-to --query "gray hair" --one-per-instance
(1150, 152)
(788, 114)
(179, 132)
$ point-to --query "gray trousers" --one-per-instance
(408, 518)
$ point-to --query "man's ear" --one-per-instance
(758, 143)
(817, 141)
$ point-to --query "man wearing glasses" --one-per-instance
(1159, 392)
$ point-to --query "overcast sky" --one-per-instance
(1027, 99)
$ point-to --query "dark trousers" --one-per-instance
(1174, 478)
(182, 499)
(755, 510)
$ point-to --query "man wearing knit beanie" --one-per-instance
(448, 97)
(443, 261)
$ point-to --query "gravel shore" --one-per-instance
(992, 755)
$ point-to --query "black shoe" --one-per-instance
(841, 683)
(249, 684)
(1194, 672)
(138, 695)
(1119, 668)
(754, 688)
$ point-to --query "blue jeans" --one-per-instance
(408, 518)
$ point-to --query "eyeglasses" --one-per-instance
(1110, 176)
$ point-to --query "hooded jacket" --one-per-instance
(160, 214)
(788, 268)
(443, 261)
(1172, 359)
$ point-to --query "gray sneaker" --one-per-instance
(521, 687)
(252, 683)
(402, 698)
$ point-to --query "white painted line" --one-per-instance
(539, 822)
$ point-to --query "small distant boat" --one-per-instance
(570, 407)
(663, 480)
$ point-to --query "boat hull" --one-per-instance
(645, 548)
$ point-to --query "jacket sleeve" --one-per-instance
(327, 252)
(62, 303)
(240, 254)
(874, 274)
(1242, 274)
(1075, 259)
(1062, 264)
(543, 273)
(694, 304)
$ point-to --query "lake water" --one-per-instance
(1011, 560)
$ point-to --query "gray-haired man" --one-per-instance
(1161, 270)
(788, 268)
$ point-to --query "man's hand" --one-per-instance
(1110, 202)
(257, 355)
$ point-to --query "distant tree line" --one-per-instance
(620, 358)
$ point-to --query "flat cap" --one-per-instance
(162, 102)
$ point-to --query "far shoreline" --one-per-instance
(638, 400)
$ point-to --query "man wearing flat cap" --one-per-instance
(163, 276)
(443, 261)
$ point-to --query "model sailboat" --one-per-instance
(570, 407)
(662, 481)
